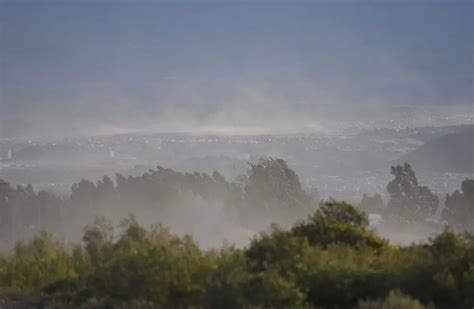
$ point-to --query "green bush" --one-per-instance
(394, 300)
(329, 261)
(338, 222)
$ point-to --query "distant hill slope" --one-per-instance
(449, 153)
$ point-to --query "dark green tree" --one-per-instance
(273, 191)
(459, 210)
(338, 222)
(408, 199)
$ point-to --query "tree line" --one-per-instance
(268, 192)
(316, 255)
(330, 260)
(415, 203)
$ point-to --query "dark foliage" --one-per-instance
(329, 260)
(459, 210)
(151, 268)
(408, 199)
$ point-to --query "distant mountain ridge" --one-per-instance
(449, 153)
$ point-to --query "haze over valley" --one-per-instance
(236, 154)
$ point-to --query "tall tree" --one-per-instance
(459, 206)
(407, 198)
(274, 190)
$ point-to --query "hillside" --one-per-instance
(450, 153)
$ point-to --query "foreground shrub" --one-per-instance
(35, 264)
(338, 222)
(395, 300)
(329, 261)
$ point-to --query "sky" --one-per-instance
(84, 67)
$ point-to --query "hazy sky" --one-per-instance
(76, 66)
